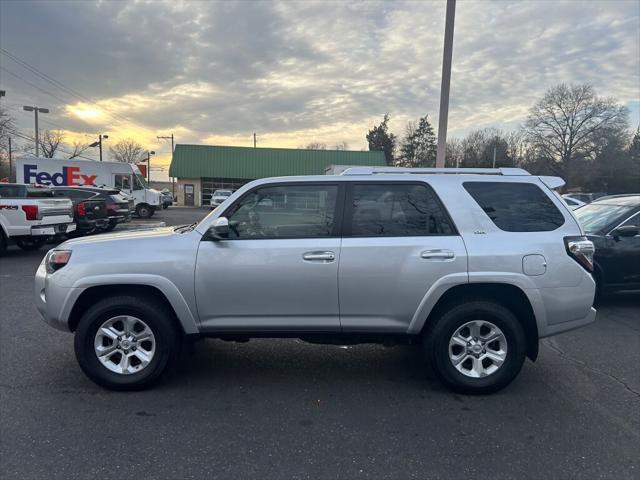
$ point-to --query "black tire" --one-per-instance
(144, 211)
(109, 227)
(167, 335)
(436, 343)
(3, 243)
(29, 244)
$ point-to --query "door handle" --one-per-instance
(319, 256)
(437, 255)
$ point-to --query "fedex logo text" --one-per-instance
(68, 176)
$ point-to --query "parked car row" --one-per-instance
(29, 215)
(612, 223)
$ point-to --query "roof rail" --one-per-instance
(425, 171)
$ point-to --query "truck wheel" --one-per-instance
(3, 243)
(31, 243)
(476, 347)
(144, 211)
(126, 342)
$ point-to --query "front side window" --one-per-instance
(396, 210)
(287, 211)
(516, 207)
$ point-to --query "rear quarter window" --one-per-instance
(516, 207)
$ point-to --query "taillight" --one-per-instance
(581, 250)
(80, 209)
(31, 211)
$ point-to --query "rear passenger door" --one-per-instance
(398, 243)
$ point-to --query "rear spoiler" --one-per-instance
(552, 182)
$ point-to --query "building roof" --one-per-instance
(195, 161)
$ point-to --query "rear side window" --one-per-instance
(36, 192)
(396, 210)
(12, 191)
(516, 207)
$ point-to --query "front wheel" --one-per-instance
(144, 211)
(31, 243)
(126, 343)
(476, 347)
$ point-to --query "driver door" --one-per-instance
(278, 268)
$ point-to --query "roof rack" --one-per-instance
(425, 171)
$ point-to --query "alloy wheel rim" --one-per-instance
(478, 349)
(124, 344)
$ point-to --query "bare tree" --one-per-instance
(568, 123)
(6, 127)
(341, 146)
(50, 141)
(316, 146)
(454, 152)
(78, 149)
(127, 151)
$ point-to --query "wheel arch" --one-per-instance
(510, 296)
(98, 292)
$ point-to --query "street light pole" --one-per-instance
(446, 82)
(99, 143)
(28, 108)
(149, 153)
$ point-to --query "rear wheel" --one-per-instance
(3, 243)
(31, 243)
(476, 347)
(126, 343)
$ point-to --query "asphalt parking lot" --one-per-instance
(286, 409)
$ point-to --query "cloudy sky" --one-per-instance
(297, 72)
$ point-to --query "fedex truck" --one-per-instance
(123, 176)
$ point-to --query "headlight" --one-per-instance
(56, 259)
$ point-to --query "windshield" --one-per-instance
(222, 193)
(141, 182)
(596, 216)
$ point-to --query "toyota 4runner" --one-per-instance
(474, 264)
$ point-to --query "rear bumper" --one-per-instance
(571, 325)
(48, 230)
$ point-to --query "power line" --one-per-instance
(32, 84)
(31, 139)
(63, 87)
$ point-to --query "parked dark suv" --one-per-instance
(118, 206)
(613, 225)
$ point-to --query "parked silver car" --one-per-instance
(476, 265)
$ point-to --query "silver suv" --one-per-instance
(474, 264)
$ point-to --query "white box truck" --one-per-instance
(123, 176)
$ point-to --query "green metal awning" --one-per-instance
(197, 161)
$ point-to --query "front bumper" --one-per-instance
(53, 302)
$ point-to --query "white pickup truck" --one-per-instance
(29, 215)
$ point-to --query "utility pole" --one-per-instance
(446, 82)
(28, 108)
(173, 183)
(254, 140)
(494, 156)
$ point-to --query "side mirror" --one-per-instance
(219, 230)
(626, 231)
